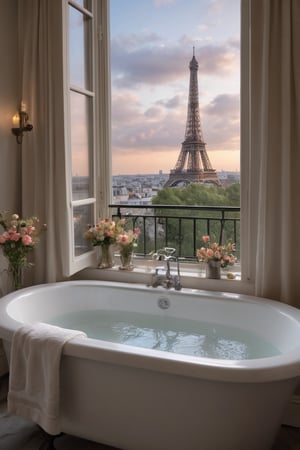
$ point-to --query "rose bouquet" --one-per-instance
(105, 232)
(18, 239)
(127, 241)
(212, 251)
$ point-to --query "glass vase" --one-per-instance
(213, 270)
(106, 257)
(126, 261)
(15, 276)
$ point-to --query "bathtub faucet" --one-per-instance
(167, 280)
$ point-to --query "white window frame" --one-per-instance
(100, 157)
(246, 257)
(142, 274)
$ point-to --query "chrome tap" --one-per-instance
(167, 280)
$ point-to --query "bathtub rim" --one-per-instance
(283, 366)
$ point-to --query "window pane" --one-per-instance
(81, 148)
(79, 49)
(82, 216)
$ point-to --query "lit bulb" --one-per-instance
(23, 107)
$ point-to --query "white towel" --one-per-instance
(34, 388)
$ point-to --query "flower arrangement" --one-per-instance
(127, 241)
(18, 239)
(108, 232)
(104, 233)
(212, 251)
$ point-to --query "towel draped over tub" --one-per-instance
(34, 387)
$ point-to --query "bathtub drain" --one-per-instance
(163, 303)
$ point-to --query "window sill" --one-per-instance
(192, 276)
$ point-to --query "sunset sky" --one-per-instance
(151, 48)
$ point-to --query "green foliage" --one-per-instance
(199, 195)
(182, 225)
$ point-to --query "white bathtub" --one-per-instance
(143, 399)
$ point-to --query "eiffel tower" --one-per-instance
(193, 151)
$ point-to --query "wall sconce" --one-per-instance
(20, 123)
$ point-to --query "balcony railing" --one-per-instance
(181, 227)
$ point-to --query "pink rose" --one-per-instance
(27, 240)
(15, 237)
(27, 230)
(205, 239)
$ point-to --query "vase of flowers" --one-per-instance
(18, 239)
(216, 256)
(213, 269)
(106, 256)
(126, 243)
(126, 261)
(103, 235)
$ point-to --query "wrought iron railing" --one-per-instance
(181, 227)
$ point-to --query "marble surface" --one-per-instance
(20, 434)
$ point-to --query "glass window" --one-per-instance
(81, 119)
(80, 48)
(87, 121)
(82, 215)
(81, 145)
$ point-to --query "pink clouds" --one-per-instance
(150, 79)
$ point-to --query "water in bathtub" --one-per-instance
(182, 336)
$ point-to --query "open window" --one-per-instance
(87, 114)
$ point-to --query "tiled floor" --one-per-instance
(19, 434)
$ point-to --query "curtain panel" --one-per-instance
(275, 148)
(43, 150)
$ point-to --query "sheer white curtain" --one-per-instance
(275, 147)
(43, 155)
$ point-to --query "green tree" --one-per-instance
(180, 226)
(199, 195)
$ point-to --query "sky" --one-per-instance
(151, 47)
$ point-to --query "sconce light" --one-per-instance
(20, 123)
